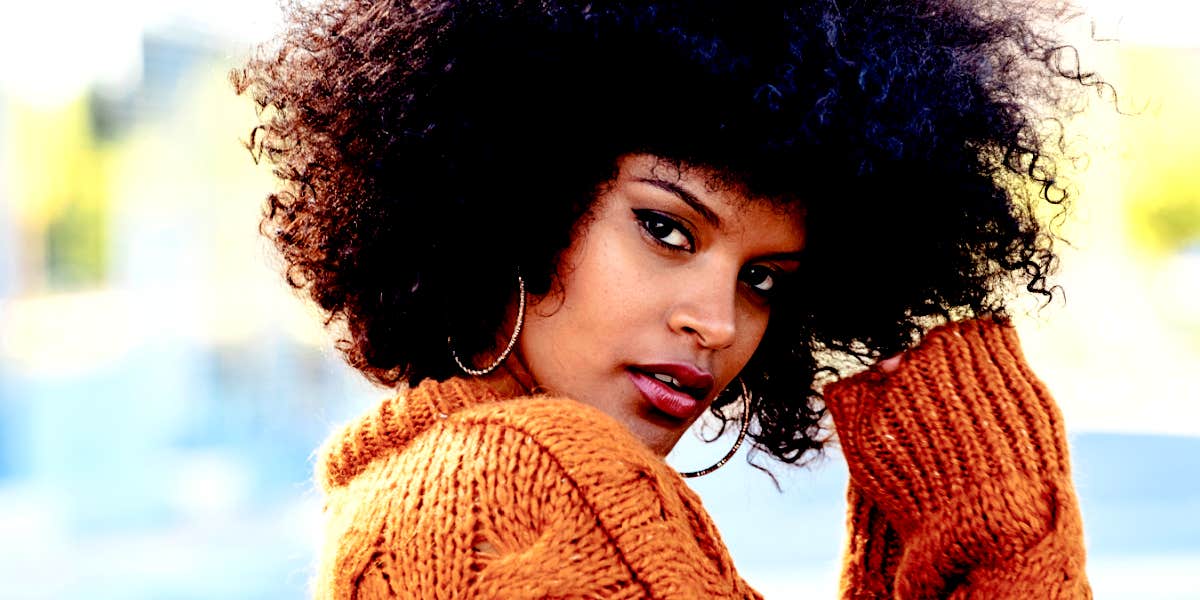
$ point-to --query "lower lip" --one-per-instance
(664, 397)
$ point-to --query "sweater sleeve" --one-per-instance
(522, 499)
(960, 480)
(872, 550)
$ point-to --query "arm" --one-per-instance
(962, 454)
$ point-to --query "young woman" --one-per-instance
(565, 230)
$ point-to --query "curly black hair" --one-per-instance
(429, 149)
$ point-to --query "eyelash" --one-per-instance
(777, 278)
(648, 219)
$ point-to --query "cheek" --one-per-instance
(582, 324)
(608, 273)
(752, 326)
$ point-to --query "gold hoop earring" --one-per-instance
(512, 341)
(738, 444)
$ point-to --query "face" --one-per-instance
(665, 294)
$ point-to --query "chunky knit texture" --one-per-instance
(446, 492)
(960, 488)
(960, 482)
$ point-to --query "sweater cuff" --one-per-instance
(961, 440)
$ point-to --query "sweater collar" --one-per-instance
(393, 424)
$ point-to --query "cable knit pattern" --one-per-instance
(960, 481)
(445, 492)
(960, 488)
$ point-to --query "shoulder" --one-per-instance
(526, 443)
(535, 491)
(577, 435)
(541, 442)
(501, 498)
(462, 411)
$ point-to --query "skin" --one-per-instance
(652, 279)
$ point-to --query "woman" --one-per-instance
(564, 230)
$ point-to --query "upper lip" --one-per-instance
(696, 381)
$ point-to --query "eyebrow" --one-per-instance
(688, 198)
(786, 256)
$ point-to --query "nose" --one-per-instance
(707, 311)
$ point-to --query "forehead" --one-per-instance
(722, 191)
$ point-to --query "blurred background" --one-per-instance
(162, 391)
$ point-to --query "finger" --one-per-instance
(889, 365)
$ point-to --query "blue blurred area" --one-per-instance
(1140, 493)
(183, 472)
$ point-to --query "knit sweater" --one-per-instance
(959, 488)
(960, 485)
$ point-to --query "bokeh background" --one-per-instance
(162, 391)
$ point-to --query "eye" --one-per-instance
(665, 230)
(762, 278)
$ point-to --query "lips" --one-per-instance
(676, 389)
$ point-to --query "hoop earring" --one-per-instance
(512, 341)
(738, 444)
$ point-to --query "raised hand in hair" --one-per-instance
(958, 448)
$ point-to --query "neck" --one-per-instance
(511, 379)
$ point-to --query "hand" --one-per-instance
(958, 444)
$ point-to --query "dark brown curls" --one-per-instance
(426, 151)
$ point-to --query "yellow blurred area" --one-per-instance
(57, 174)
(51, 160)
(177, 200)
(1121, 351)
(1160, 155)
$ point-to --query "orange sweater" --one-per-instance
(450, 492)
(960, 486)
